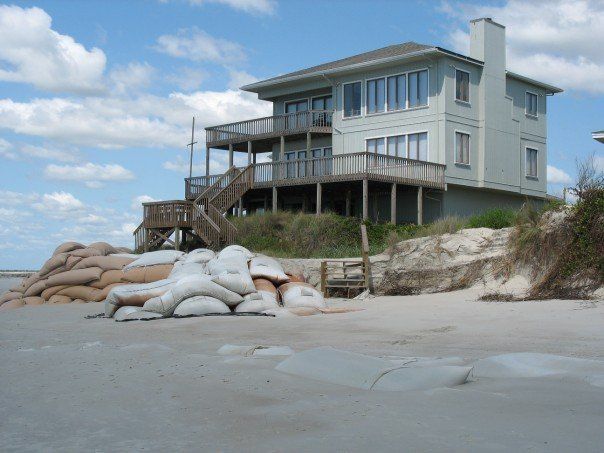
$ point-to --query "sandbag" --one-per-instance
(298, 277)
(54, 262)
(36, 289)
(103, 247)
(239, 282)
(123, 250)
(268, 268)
(106, 263)
(235, 250)
(51, 291)
(75, 277)
(72, 261)
(79, 301)
(67, 247)
(135, 294)
(122, 312)
(199, 306)
(28, 281)
(148, 274)
(263, 284)
(108, 278)
(10, 295)
(81, 292)
(15, 303)
(198, 256)
(59, 299)
(257, 303)
(153, 258)
(190, 286)
(183, 268)
(294, 295)
(134, 256)
(85, 253)
(34, 300)
(107, 289)
(140, 315)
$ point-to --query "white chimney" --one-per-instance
(487, 44)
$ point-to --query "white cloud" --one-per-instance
(6, 150)
(93, 175)
(58, 205)
(32, 52)
(257, 7)
(557, 176)
(239, 79)
(197, 45)
(41, 152)
(187, 78)
(181, 165)
(133, 77)
(10, 198)
(559, 43)
(92, 219)
(137, 201)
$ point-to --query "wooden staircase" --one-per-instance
(209, 221)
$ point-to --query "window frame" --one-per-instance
(526, 112)
(406, 107)
(347, 117)
(463, 164)
(526, 166)
(406, 134)
(455, 90)
(367, 113)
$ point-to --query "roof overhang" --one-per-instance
(550, 89)
(598, 135)
(257, 86)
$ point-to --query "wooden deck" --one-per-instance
(314, 121)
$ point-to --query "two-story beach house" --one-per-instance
(406, 133)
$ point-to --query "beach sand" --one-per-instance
(70, 383)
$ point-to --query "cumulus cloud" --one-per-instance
(6, 150)
(58, 205)
(132, 77)
(559, 44)
(257, 7)
(42, 152)
(92, 175)
(32, 52)
(137, 201)
(197, 45)
(181, 165)
(557, 176)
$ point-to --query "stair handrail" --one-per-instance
(245, 172)
(217, 183)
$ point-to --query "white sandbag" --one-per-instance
(257, 303)
(183, 268)
(153, 258)
(296, 295)
(234, 262)
(235, 250)
(239, 282)
(135, 294)
(140, 315)
(198, 256)
(199, 306)
(268, 268)
(422, 378)
(122, 312)
(193, 285)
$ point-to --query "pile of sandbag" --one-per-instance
(79, 273)
(201, 284)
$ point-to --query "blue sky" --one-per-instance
(96, 97)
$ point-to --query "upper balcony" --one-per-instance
(270, 128)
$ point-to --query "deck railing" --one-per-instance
(196, 185)
(173, 213)
(270, 126)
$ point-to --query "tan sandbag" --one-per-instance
(18, 288)
(75, 277)
(106, 263)
(10, 295)
(72, 261)
(108, 278)
(36, 289)
(106, 289)
(263, 284)
(79, 301)
(148, 274)
(293, 278)
(33, 300)
(53, 263)
(15, 303)
(28, 281)
(85, 253)
(68, 247)
(59, 299)
(135, 294)
(103, 247)
(82, 292)
(51, 291)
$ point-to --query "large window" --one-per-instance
(296, 106)
(413, 146)
(462, 85)
(397, 92)
(352, 99)
(376, 95)
(418, 88)
(531, 162)
(376, 146)
(397, 146)
(322, 103)
(462, 148)
(418, 146)
(531, 104)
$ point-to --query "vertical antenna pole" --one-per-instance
(191, 144)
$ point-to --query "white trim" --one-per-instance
(455, 86)
(459, 131)
(344, 117)
(530, 115)
(526, 175)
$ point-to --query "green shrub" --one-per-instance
(493, 218)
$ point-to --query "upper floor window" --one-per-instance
(418, 146)
(418, 88)
(352, 99)
(462, 148)
(397, 92)
(531, 162)
(462, 85)
(296, 106)
(322, 103)
(376, 95)
(531, 104)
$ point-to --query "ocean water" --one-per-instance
(7, 282)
